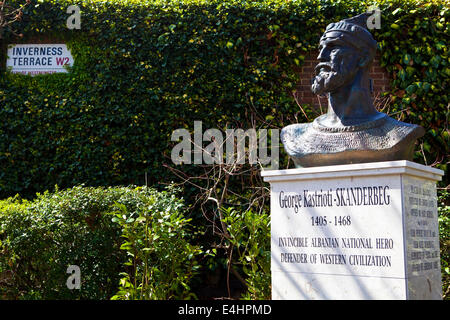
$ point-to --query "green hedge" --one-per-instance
(444, 241)
(99, 230)
(145, 68)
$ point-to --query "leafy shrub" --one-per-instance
(41, 238)
(161, 261)
(444, 240)
(250, 235)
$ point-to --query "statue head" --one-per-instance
(346, 48)
(352, 130)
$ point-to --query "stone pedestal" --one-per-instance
(359, 231)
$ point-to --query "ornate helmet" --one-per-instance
(353, 30)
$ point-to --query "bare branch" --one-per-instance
(10, 14)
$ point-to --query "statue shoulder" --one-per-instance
(293, 131)
(404, 130)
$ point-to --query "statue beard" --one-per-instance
(330, 77)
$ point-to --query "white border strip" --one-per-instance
(354, 170)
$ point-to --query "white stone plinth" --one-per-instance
(359, 231)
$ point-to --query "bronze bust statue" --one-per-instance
(352, 130)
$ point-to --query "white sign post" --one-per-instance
(33, 59)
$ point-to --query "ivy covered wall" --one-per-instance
(145, 68)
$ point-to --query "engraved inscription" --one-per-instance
(422, 229)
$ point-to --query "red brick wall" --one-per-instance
(304, 95)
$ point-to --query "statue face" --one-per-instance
(338, 64)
